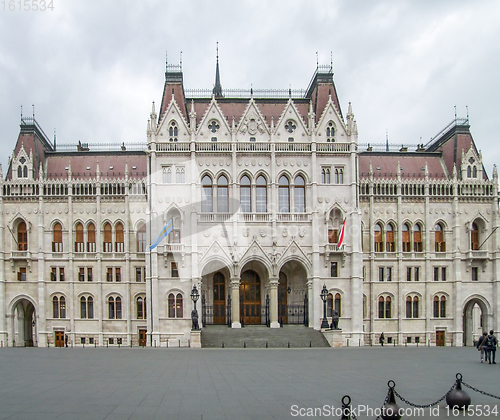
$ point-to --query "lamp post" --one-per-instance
(195, 295)
(324, 298)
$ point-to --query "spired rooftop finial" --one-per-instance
(217, 91)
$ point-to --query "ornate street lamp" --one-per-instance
(195, 295)
(324, 298)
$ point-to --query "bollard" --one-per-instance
(310, 343)
(266, 345)
(458, 398)
(390, 410)
(346, 408)
(177, 340)
(289, 344)
(223, 344)
(244, 344)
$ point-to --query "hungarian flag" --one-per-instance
(341, 236)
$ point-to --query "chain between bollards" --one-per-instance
(481, 392)
(423, 405)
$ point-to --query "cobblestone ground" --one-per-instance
(240, 384)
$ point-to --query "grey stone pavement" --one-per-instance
(206, 384)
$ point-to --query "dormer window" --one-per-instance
(330, 132)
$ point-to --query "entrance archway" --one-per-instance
(475, 320)
(250, 301)
(23, 325)
(292, 293)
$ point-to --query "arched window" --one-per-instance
(179, 175)
(408, 307)
(381, 306)
(439, 307)
(261, 197)
(171, 305)
(222, 195)
(406, 238)
(245, 194)
(412, 307)
(388, 312)
(107, 244)
(55, 307)
(22, 237)
(179, 311)
(167, 174)
(417, 238)
(468, 171)
(442, 309)
(474, 172)
(338, 306)
(86, 307)
(365, 307)
(62, 307)
(474, 238)
(91, 238)
(19, 171)
(173, 131)
(439, 242)
(379, 244)
(25, 172)
(284, 195)
(415, 307)
(90, 307)
(141, 308)
(339, 175)
(300, 194)
(141, 238)
(389, 238)
(111, 308)
(57, 245)
(329, 305)
(206, 195)
(120, 244)
(325, 175)
(118, 301)
(79, 246)
(330, 132)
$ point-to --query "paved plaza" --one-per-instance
(240, 384)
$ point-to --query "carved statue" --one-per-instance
(335, 321)
(194, 319)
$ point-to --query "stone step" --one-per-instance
(259, 336)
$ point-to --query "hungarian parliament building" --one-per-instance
(280, 216)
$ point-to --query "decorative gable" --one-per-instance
(472, 165)
(22, 165)
(252, 125)
(213, 125)
(331, 127)
(173, 127)
(291, 126)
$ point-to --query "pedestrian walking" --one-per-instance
(481, 346)
(381, 339)
(491, 347)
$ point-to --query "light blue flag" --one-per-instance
(169, 227)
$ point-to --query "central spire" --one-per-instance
(217, 91)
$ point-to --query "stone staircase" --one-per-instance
(259, 336)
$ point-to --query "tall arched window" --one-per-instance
(83, 307)
(141, 238)
(474, 238)
(329, 305)
(417, 238)
(86, 307)
(330, 132)
(379, 244)
(300, 194)
(339, 175)
(120, 243)
(408, 307)
(91, 238)
(222, 195)
(412, 307)
(179, 175)
(206, 195)
(171, 305)
(261, 196)
(179, 311)
(22, 237)
(406, 238)
(79, 245)
(415, 307)
(107, 243)
(245, 194)
(115, 308)
(381, 306)
(469, 172)
(439, 243)
(57, 245)
(55, 307)
(325, 175)
(167, 174)
(141, 307)
(338, 306)
(384, 307)
(62, 307)
(388, 312)
(19, 171)
(284, 195)
(474, 172)
(389, 238)
(111, 308)
(442, 309)
(173, 131)
(25, 172)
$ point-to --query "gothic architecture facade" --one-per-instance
(260, 187)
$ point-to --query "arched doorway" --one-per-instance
(219, 298)
(24, 323)
(282, 299)
(475, 320)
(292, 294)
(250, 301)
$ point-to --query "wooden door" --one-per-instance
(142, 338)
(59, 335)
(219, 299)
(440, 338)
(250, 293)
(282, 299)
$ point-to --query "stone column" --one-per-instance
(235, 303)
(273, 302)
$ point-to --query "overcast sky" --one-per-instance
(93, 67)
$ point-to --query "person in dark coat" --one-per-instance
(491, 347)
(480, 343)
(381, 339)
